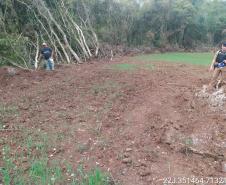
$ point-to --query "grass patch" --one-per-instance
(93, 177)
(124, 67)
(31, 164)
(96, 177)
(8, 110)
(187, 58)
(131, 67)
(40, 172)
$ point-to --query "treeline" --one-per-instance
(158, 23)
(81, 29)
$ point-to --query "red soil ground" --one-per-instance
(143, 126)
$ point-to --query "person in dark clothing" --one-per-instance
(218, 66)
(47, 53)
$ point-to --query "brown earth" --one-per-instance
(143, 126)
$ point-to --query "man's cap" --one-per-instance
(44, 44)
(224, 43)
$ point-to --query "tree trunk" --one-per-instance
(48, 13)
(37, 51)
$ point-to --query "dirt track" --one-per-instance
(142, 125)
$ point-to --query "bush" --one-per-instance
(14, 50)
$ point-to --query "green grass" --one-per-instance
(94, 177)
(124, 67)
(131, 67)
(8, 110)
(31, 164)
(186, 58)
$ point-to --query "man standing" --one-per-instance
(47, 53)
(218, 66)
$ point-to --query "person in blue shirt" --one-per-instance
(218, 66)
(47, 53)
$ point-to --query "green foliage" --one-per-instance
(14, 49)
(180, 22)
(111, 19)
(6, 111)
(155, 23)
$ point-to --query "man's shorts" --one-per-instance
(220, 65)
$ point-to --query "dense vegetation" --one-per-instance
(80, 29)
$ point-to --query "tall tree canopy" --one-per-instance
(76, 29)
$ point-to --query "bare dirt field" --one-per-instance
(147, 125)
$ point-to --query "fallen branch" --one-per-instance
(15, 64)
(206, 154)
(58, 26)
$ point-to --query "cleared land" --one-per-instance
(138, 119)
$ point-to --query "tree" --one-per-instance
(79, 29)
